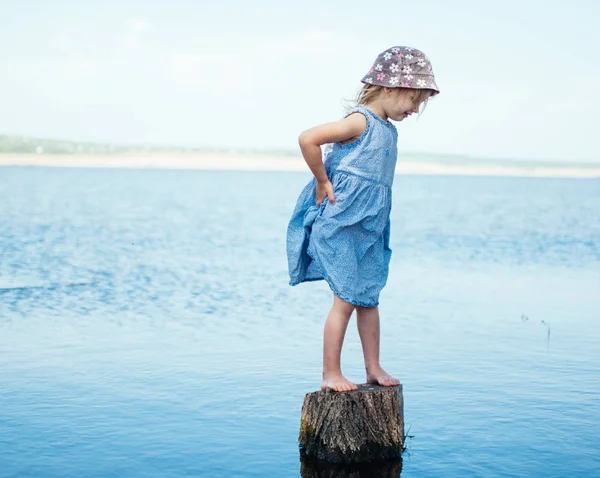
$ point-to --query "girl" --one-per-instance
(340, 228)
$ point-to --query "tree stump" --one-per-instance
(312, 468)
(353, 427)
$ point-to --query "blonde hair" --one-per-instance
(369, 92)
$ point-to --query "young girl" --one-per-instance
(340, 228)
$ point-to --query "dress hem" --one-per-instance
(333, 289)
(345, 299)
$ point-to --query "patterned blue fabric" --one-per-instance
(347, 243)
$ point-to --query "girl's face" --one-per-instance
(401, 103)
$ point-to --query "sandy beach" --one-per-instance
(256, 162)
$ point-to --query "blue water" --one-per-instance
(147, 328)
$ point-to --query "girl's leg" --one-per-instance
(333, 338)
(367, 319)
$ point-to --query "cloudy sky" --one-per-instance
(519, 79)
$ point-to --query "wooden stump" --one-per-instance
(353, 427)
(312, 468)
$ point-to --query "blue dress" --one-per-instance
(347, 243)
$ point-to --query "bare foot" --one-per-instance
(337, 383)
(378, 376)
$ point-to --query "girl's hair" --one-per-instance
(369, 92)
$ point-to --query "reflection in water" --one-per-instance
(311, 468)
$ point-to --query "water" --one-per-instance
(147, 328)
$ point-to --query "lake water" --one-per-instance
(147, 328)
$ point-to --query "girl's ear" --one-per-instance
(388, 91)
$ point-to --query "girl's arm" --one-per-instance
(312, 139)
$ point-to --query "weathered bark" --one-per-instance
(353, 427)
(312, 468)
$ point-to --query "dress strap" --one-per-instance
(358, 109)
(366, 112)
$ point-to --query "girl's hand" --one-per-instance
(324, 189)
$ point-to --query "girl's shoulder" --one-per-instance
(372, 119)
(376, 129)
(364, 114)
(358, 109)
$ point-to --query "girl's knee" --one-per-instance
(360, 308)
(343, 306)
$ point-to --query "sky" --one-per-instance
(518, 79)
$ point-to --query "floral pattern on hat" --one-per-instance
(407, 67)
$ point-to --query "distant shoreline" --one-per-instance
(265, 162)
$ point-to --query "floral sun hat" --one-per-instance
(402, 66)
